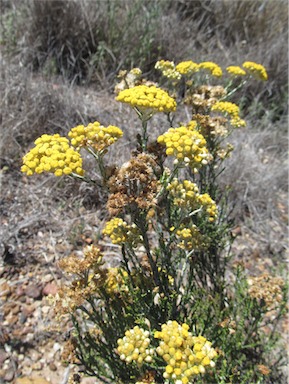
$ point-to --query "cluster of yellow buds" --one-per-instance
(211, 67)
(186, 355)
(115, 281)
(134, 346)
(186, 194)
(120, 231)
(148, 98)
(168, 69)
(230, 109)
(256, 70)
(94, 135)
(187, 67)
(210, 206)
(235, 70)
(187, 145)
(190, 238)
(52, 153)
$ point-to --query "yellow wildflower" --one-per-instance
(147, 99)
(52, 153)
(187, 67)
(186, 355)
(235, 70)
(168, 69)
(230, 109)
(186, 194)
(211, 67)
(119, 231)
(256, 70)
(187, 145)
(134, 346)
(94, 135)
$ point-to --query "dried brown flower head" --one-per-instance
(134, 185)
(205, 96)
(266, 289)
(215, 126)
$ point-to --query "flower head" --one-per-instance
(190, 238)
(187, 145)
(115, 281)
(135, 185)
(256, 70)
(211, 67)
(186, 194)
(94, 135)
(148, 99)
(235, 70)
(168, 69)
(52, 153)
(267, 289)
(230, 109)
(187, 67)
(134, 346)
(120, 232)
(186, 355)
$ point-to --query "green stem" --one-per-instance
(99, 158)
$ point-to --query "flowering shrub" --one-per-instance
(167, 313)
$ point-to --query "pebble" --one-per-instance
(9, 375)
(33, 291)
(50, 289)
(3, 356)
(52, 367)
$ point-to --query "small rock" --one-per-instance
(52, 367)
(20, 290)
(3, 356)
(33, 291)
(50, 289)
(9, 375)
(46, 309)
(37, 366)
(5, 290)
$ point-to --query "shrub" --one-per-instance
(167, 313)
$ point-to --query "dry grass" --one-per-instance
(89, 41)
(71, 42)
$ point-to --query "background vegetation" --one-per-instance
(59, 63)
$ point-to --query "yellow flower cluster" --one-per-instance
(211, 208)
(211, 67)
(190, 238)
(94, 135)
(235, 70)
(168, 69)
(187, 145)
(186, 194)
(186, 355)
(149, 98)
(256, 70)
(115, 281)
(134, 346)
(187, 67)
(230, 109)
(119, 231)
(52, 153)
